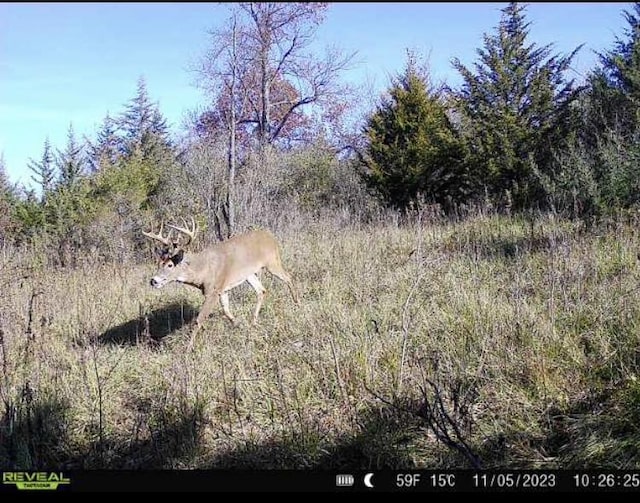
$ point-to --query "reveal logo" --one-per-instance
(35, 481)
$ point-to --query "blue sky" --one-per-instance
(63, 63)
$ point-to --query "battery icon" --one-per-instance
(344, 480)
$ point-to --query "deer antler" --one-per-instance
(191, 234)
(159, 237)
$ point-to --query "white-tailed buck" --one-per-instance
(219, 268)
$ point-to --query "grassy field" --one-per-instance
(493, 342)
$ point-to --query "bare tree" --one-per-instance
(233, 63)
(276, 74)
(266, 86)
(205, 180)
(222, 70)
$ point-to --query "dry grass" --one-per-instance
(527, 335)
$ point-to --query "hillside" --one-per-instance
(516, 340)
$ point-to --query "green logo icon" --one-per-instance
(35, 481)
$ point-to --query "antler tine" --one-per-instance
(159, 237)
(191, 234)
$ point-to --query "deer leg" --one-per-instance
(224, 301)
(204, 313)
(193, 337)
(194, 332)
(260, 291)
(277, 270)
(206, 309)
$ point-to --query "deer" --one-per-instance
(218, 268)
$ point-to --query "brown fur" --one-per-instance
(221, 267)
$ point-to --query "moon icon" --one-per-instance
(367, 479)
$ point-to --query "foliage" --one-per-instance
(596, 179)
(44, 170)
(71, 162)
(29, 212)
(106, 148)
(514, 107)
(78, 209)
(8, 201)
(596, 173)
(143, 126)
(615, 84)
(517, 134)
(412, 146)
(296, 129)
(315, 180)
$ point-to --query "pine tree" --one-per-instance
(515, 107)
(615, 85)
(598, 172)
(147, 160)
(412, 147)
(6, 188)
(71, 161)
(159, 124)
(144, 128)
(136, 119)
(8, 200)
(106, 150)
(44, 170)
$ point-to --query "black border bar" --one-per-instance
(247, 481)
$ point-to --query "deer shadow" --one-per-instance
(150, 327)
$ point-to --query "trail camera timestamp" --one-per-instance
(607, 480)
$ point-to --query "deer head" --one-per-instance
(171, 255)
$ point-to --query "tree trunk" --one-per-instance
(230, 214)
(265, 100)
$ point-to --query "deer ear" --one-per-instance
(177, 258)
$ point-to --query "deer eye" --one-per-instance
(169, 265)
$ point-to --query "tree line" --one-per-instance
(519, 134)
(278, 133)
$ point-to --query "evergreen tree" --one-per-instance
(44, 170)
(71, 161)
(412, 147)
(6, 188)
(515, 107)
(29, 214)
(615, 85)
(159, 125)
(144, 128)
(8, 202)
(598, 171)
(105, 151)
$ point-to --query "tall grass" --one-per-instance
(431, 344)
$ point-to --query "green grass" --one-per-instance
(528, 332)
